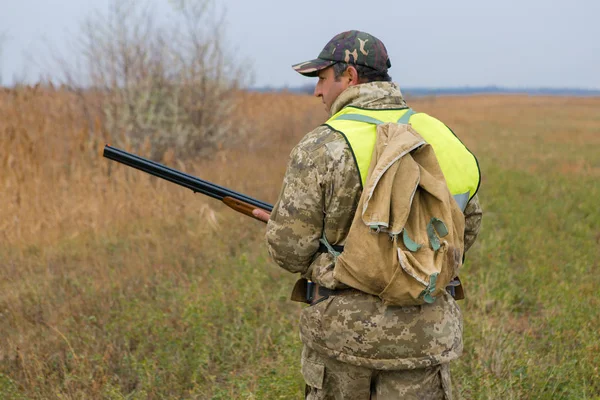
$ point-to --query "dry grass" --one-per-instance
(116, 285)
(56, 184)
(530, 133)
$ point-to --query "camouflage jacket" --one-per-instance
(320, 191)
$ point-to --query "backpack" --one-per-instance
(405, 243)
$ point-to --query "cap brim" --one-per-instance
(312, 68)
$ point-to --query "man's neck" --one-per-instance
(372, 93)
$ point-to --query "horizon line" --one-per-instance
(457, 87)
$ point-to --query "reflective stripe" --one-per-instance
(406, 116)
(370, 120)
(361, 118)
(462, 200)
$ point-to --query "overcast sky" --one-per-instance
(431, 43)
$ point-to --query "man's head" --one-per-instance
(349, 58)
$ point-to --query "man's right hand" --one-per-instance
(261, 214)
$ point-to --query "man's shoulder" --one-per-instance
(321, 140)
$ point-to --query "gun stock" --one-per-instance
(241, 207)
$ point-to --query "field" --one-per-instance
(115, 285)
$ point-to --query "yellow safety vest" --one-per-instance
(458, 164)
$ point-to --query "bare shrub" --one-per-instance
(165, 85)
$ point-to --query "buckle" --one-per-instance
(455, 289)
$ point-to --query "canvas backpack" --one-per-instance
(405, 243)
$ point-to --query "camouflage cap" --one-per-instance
(353, 47)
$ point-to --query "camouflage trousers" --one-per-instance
(329, 379)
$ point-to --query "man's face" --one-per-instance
(328, 89)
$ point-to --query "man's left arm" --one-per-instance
(296, 222)
(473, 214)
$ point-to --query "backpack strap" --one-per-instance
(324, 249)
(330, 248)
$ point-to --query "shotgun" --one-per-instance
(239, 202)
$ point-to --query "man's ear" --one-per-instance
(352, 76)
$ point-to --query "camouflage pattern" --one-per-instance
(320, 191)
(473, 214)
(328, 378)
(352, 47)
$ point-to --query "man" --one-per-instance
(355, 345)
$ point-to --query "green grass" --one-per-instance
(532, 308)
(191, 325)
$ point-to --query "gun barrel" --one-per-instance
(180, 178)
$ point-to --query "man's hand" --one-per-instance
(261, 214)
